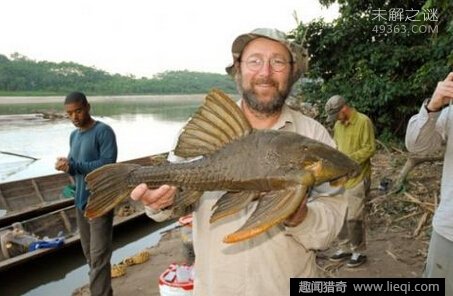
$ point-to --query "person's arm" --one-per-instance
(325, 138)
(367, 145)
(107, 154)
(322, 223)
(427, 130)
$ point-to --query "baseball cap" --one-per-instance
(298, 54)
(333, 107)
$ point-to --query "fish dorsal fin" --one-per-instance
(216, 123)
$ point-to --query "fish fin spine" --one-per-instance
(218, 117)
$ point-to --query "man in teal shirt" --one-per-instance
(354, 136)
(92, 145)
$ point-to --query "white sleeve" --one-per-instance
(158, 215)
(426, 131)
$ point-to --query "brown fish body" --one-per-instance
(276, 167)
(262, 161)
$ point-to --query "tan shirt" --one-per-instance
(264, 264)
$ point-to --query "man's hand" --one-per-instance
(62, 164)
(156, 199)
(443, 94)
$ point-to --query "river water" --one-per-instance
(143, 126)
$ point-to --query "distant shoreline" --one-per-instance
(56, 99)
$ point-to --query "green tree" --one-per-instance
(385, 56)
(19, 74)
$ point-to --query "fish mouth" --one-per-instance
(325, 173)
(340, 181)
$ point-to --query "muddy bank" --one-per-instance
(142, 279)
(390, 254)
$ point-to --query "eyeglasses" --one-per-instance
(256, 63)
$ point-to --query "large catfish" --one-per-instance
(275, 167)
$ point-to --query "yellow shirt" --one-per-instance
(356, 140)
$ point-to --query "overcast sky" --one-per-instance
(143, 37)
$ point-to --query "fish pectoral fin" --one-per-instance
(272, 208)
(184, 199)
(217, 122)
(232, 202)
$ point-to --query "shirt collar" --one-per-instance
(285, 121)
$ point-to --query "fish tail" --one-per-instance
(109, 187)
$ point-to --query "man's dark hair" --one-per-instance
(76, 97)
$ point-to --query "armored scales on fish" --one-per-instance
(275, 167)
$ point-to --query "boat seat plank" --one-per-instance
(3, 203)
(38, 193)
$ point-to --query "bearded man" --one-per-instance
(265, 66)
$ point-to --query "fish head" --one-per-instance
(326, 163)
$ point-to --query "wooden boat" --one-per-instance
(39, 213)
(32, 197)
(55, 230)
(27, 198)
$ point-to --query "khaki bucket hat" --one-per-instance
(299, 55)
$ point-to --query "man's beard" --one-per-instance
(265, 108)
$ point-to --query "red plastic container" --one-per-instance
(169, 285)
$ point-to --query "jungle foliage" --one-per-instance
(19, 75)
(384, 56)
